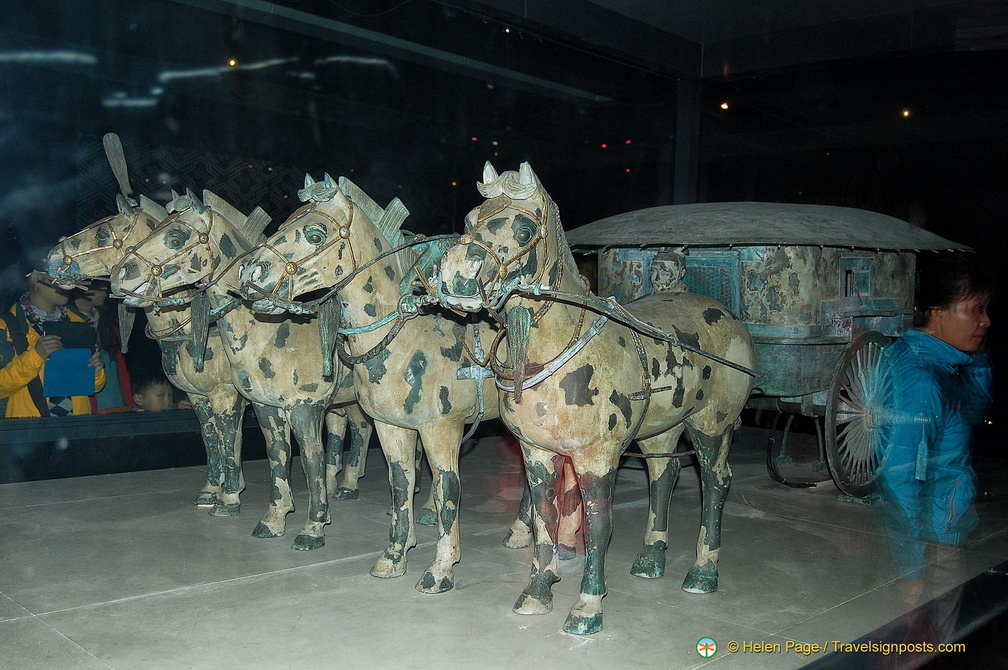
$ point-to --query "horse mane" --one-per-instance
(153, 208)
(250, 227)
(389, 220)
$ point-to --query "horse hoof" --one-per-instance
(343, 493)
(388, 568)
(220, 509)
(515, 540)
(583, 625)
(566, 552)
(650, 563)
(431, 584)
(205, 499)
(308, 542)
(529, 604)
(426, 517)
(701, 580)
(264, 531)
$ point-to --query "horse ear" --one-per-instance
(197, 204)
(489, 174)
(308, 181)
(329, 181)
(525, 174)
(174, 195)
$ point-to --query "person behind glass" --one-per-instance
(152, 392)
(92, 304)
(22, 377)
(942, 386)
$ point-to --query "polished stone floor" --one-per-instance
(121, 571)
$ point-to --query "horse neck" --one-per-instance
(374, 292)
(173, 320)
(554, 319)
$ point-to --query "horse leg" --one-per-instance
(441, 444)
(336, 422)
(426, 516)
(360, 437)
(278, 449)
(585, 618)
(662, 474)
(306, 422)
(398, 445)
(229, 408)
(570, 514)
(210, 493)
(542, 469)
(519, 535)
(715, 478)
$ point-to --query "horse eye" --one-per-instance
(315, 237)
(174, 242)
(101, 235)
(523, 235)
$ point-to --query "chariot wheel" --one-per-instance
(855, 450)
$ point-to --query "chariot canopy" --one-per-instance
(757, 224)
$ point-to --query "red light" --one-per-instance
(628, 142)
(605, 146)
(628, 170)
(474, 138)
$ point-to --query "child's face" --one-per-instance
(157, 398)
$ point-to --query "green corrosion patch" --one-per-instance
(576, 386)
(369, 286)
(414, 378)
(389, 272)
(599, 500)
(378, 244)
(622, 402)
(712, 315)
(612, 420)
(622, 341)
(282, 333)
(453, 353)
(170, 355)
(446, 405)
(706, 374)
(451, 493)
(227, 246)
(244, 381)
(267, 368)
(376, 366)
(310, 388)
(399, 532)
(370, 310)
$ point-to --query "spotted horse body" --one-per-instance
(276, 363)
(579, 382)
(415, 370)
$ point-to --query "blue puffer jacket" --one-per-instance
(938, 394)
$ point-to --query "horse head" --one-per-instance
(187, 248)
(324, 241)
(305, 254)
(513, 238)
(93, 251)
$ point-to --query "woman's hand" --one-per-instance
(47, 344)
(96, 361)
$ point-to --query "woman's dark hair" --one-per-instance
(944, 280)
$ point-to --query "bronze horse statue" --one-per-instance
(199, 245)
(582, 378)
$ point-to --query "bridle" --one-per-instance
(495, 292)
(291, 267)
(156, 268)
(117, 244)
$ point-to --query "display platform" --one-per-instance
(122, 571)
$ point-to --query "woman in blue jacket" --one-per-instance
(942, 387)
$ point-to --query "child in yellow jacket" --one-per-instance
(21, 378)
